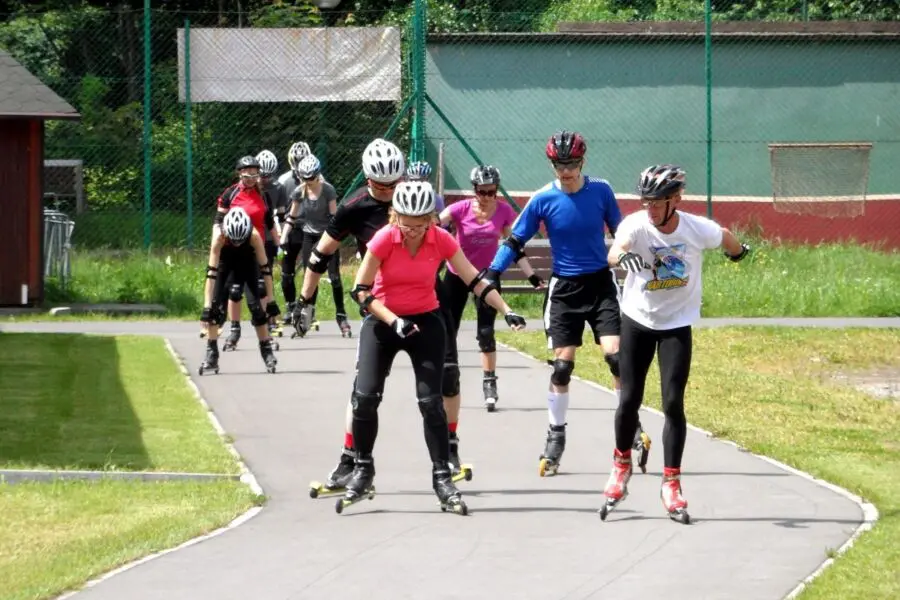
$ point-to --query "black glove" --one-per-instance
(272, 309)
(745, 250)
(514, 320)
(632, 262)
(404, 328)
(535, 280)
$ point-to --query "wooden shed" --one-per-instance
(25, 104)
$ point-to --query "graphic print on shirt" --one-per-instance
(668, 268)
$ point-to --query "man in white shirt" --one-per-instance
(661, 248)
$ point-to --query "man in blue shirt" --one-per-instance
(582, 290)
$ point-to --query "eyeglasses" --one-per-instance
(571, 165)
(250, 176)
(653, 202)
(488, 193)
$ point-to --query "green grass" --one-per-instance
(98, 402)
(774, 281)
(56, 536)
(773, 391)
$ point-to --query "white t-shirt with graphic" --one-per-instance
(667, 295)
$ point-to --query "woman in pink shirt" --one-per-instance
(480, 223)
(395, 286)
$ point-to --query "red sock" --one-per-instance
(348, 440)
(452, 427)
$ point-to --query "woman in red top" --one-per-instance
(246, 194)
(403, 314)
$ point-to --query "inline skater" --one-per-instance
(421, 171)
(394, 286)
(582, 290)
(274, 195)
(661, 248)
(247, 195)
(293, 245)
(361, 215)
(317, 200)
(479, 223)
(237, 256)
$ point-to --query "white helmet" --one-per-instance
(413, 198)
(268, 163)
(309, 167)
(237, 225)
(297, 152)
(383, 162)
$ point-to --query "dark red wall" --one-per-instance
(21, 212)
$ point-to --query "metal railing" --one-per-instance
(58, 229)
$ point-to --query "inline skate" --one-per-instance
(670, 494)
(489, 388)
(553, 451)
(641, 448)
(449, 497)
(617, 485)
(458, 470)
(344, 324)
(234, 336)
(361, 484)
(211, 361)
(337, 479)
(268, 355)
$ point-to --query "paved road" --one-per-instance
(758, 530)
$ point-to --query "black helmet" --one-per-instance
(485, 175)
(661, 181)
(247, 162)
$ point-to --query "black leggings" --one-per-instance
(378, 345)
(637, 345)
(289, 270)
(455, 294)
(334, 271)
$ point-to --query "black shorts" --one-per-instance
(573, 301)
(237, 266)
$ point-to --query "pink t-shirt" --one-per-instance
(405, 283)
(479, 241)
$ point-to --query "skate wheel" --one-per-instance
(277, 347)
(604, 512)
(200, 371)
(643, 468)
(547, 468)
(271, 369)
(469, 474)
(443, 508)
(313, 493)
(463, 509)
(339, 506)
(216, 371)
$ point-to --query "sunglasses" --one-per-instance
(655, 203)
(412, 228)
(250, 176)
(562, 165)
(383, 186)
(313, 178)
(488, 193)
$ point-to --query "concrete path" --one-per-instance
(758, 531)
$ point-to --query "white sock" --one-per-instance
(557, 406)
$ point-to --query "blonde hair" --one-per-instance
(393, 219)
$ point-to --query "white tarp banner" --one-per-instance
(334, 64)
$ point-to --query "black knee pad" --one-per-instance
(562, 371)
(236, 293)
(432, 409)
(450, 380)
(365, 406)
(486, 340)
(257, 315)
(613, 361)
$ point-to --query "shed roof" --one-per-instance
(23, 95)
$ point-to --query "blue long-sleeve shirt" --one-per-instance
(574, 224)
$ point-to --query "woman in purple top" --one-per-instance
(480, 224)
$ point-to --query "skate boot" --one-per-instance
(344, 324)
(641, 448)
(448, 496)
(617, 486)
(360, 485)
(670, 494)
(489, 387)
(289, 311)
(211, 362)
(458, 470)
(338, 478)
(553, 451)
(234, 335)
(268, 354)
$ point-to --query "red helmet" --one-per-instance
(566, 145)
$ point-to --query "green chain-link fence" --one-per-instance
(641, 79)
